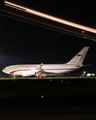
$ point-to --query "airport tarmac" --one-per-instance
(46, 78)
(72, 100)
(48, 113)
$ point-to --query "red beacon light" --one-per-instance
(83, 31)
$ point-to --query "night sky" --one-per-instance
(24, 43)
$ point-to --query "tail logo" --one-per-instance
(79, 54)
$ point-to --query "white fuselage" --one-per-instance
(47, 69)
(32, 69)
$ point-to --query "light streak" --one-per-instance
(92, 30)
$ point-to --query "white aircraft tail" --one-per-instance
(79, 58)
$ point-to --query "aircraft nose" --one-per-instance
(5, 70)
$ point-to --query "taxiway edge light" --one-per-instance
(13, 5)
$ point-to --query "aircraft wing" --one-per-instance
(39, 70)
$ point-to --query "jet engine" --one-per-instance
(28, 73)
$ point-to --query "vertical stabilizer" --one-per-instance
(79, 58)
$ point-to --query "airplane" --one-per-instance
(43, 70)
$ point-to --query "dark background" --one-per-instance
(24, 43)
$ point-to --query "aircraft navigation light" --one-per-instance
(83, 31)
